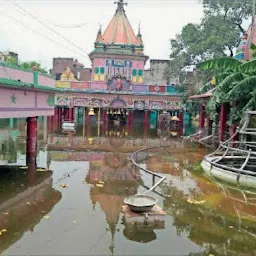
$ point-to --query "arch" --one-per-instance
(118, 103)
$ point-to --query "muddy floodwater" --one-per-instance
(75, 207)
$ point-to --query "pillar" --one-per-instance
(233, 131)
(202, 116)
(223, 121)
(181, 117)
(209, 125)
(31, 143)
(45, 120)
(146, 118)
(60, 117)
(11, 123)
(70, 114)
(145, 122)
(88, 124)
(130, 118)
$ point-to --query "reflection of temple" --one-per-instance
(19, 217)
(224, 224)
(119, 182)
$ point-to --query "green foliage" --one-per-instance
(31, 64)
(236, 85)
(224, 63)
(234, 10)
(26, 65)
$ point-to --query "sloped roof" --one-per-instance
(119, 30)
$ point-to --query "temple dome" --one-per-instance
(119, 31)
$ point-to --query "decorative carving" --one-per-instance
(118, 83)
(67, 75)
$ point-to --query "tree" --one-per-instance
(31, 64)
(26, 65)
(234, 10)
(217, 35)
(235, 84)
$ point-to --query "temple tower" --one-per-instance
(118, 58)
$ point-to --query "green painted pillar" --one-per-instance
(11, 123)
(35, 76)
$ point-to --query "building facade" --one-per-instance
(118, 81)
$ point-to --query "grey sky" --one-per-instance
(160, 21)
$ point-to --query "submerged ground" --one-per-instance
(40, 216)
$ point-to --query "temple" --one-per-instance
(117, 84)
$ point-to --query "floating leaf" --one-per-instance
(5, 213)
(101, 182)
(64, 186)
(41, 170)
(24, 167)
(4, 230)
(99, 185)
(47, 217)
(192, 201)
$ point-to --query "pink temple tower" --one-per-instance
(118, 58)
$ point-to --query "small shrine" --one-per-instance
(67, 75)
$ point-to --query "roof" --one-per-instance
(202, 96)
(119, 30)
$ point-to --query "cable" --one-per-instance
(35, 31)
(57, 25)
(54, 31)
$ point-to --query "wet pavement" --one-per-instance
(68, 211)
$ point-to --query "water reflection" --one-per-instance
(224, 225)
(23, 195)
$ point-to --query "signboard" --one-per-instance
(62, 84)
(79, 85)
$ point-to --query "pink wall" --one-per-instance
(25, 76)
(32, 104)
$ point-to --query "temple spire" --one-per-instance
(120, 5)
(139, 33)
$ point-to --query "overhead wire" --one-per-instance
(40, 33)
(48, 27)
(58, 25)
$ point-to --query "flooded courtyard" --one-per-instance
(72, 204)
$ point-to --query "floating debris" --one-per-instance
(5, 213)
(28, 203)
(101, 182)
(24, 167)
(99, 186)
(193, 201)
(231, 227)
(41, 170)
(64, 186)
(74, 222)
(47, 217)
(4, 230)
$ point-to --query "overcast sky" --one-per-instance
(160, 21)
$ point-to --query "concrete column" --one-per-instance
(145, 123)
(70, 114)
(223, 121)
(181, 117)
(45, 120)
(145, 118)
(88, 125)
(11, 123)
(202, 116)
(31, 143)
(209, 125)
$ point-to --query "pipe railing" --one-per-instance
(135, 163)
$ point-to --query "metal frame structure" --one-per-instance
(235, 159)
